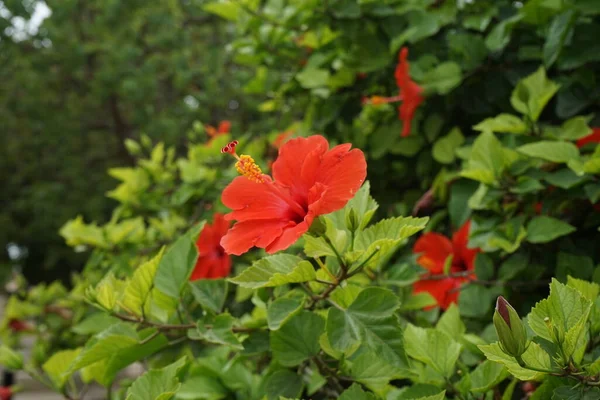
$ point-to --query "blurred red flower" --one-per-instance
(410, 92)
(282, 138)
(434, 250)
(309, 180)
(17, 325)
(222, 129)
(593, 137)
(5, 393)
(213, 262)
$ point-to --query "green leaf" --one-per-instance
(534, 356)
(451, 324)
(371, 321)
(502, 123)
(317, 247)
(432, 347)
(216, 330)
(57, 366)
(283, 309)
(564, 308)
(157, 384)
(475, 301)
(533, 93)
(139, 286)
(177, 263)
(486, 376)
(499, 36)
(545, 229)
(94, 323)
(444, 148)
(560, 28)
(10, 359)
(487, 159)
(373, 371)
(275, 270)
(575, 128)
(210, 293)
(564, 178)
(558, 152)
(298, 339)
(589, 290)
(311, 78)
(283, 383)
(224, 9)
(443, 78)
(355, 392)
(108, 291)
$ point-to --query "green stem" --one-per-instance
(524, 365)
(337, 254)
(360, 267)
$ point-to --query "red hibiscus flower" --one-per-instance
(434, 250)
(212, 261)
(5, 393)
(593, 137)
(309, 180)
(410, 93)
(222, 129)
(282, 138)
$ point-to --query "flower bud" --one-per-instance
(510, 329)
(318, 227)
(352, 221)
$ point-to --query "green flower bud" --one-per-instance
(352, 221)
(510, 328)
(10, 358)
(318, 227)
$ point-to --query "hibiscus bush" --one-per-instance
(419, 223)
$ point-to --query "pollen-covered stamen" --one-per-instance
(247, 166)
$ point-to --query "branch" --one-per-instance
(167, 327)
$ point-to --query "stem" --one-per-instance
(524, 365)
(359, 268)
(165, 327)
(337, 255)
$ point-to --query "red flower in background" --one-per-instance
(434, 250)
(309, 180)
(212, 261)
(222, 129)
(5, 393)
(593, 137)
(17, 325)
(409, 91)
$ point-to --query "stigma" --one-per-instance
(245, 165)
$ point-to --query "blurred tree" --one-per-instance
(94, 73)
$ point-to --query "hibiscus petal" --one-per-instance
(342, 172)
(260, 233)
(204, 265)
(444, 291)
(460, 242)
(251, 200)
(287, 169)
(435, 249)
(289, 236)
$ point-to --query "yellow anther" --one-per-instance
(247, 167)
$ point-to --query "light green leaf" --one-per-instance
(317, 247)
(564, 308)
(108, 291)
(57, 366)
(374, 372)
(432, 347)
(545, 229)
(575, 128)
(589, 290)
(10, 359)
(355, 392)
(558, 152)
(311, 78)
(370, 321)
(139, 286)
(499, 36)
(224, 9)
(216, 330)
(95, 323)
(487, 159)
(534, 356)
(363, 205)
(275, 270)
(451, 324)
(210, 293)
(502, 123)
(533, 93)
(283, 309)
(298, 339)
(443, 78)
(157, 384)
(444, 148)
(486, 376)
(177, 263)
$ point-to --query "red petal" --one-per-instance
(224, 127)
(464, 255)
(444, 291)
(287, 169)
(211, 267)
(246, 234)
(341, 172)
(251, 200)
(594, 137)
(435, 249)
(290, 236)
